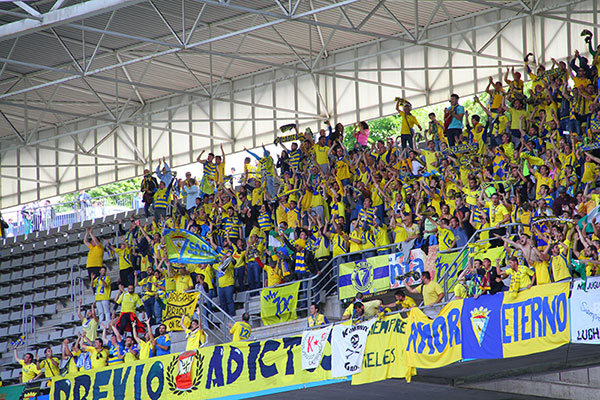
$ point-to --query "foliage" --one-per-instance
(110, 189)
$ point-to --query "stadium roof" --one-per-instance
(84, 84)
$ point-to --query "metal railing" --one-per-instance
(217, 320)
(28, 324)
(464, 252)
(46, 217)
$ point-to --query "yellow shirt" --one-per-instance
(28, 371)
(90, 328)
(95, 256)
(497, 213)
(321, 154)
(183, 282)
(72, 365)
(124, 258)
(129, 302)
(240, 331)
(590, 172)
(408, 302)
(98, 358)
(430, 292)
(194, 339)
(523, 274)
(102, 291)
(273, 276)
(227, 279)
(145, 348)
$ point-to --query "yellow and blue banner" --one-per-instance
(434, 343)
(278, 303)
(188, 248)
(367, 276)
(536, 320)
(207, 373)
(384, 352)
(179, 304)
(498, 326)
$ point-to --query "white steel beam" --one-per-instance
(62, 16)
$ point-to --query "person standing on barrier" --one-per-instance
(431, 291)
(130, 302)
(453, 117)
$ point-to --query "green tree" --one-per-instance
(110, 189)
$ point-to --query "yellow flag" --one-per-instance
(278, 304)
(384, 351)
(434, 343)
(179, 304)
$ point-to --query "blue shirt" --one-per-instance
(164, 340)
(460, 237)
(457, 123)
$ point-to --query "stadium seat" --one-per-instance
(27, 286)
(4, 304)
(40, 270)
(14, 276)
(49, 282)
(68, 320)
(4, 318)
(15, 316)
(28, 273)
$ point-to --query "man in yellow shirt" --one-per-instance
(195, 335)
(408, 122)
(315, 318)
(146, 346)
(98, 353)
(89, 323)
(521, 277)
(431, 290)
(124, 256)
(49, 365)
(129, 302)
(29, 370)
(95, 256)
(183, 281)
(321, 152)
(498, 216)
(241, 330)
(402, 302)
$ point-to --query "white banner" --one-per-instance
(585, 311)
(313, 344)
(348, 348)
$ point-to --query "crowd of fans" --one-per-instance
(527, 157)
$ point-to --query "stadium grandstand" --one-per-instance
(340, 253)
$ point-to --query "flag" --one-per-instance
(500, 166)
(348, 345)
(371, 275)
(312, 345)
(186, 247)
(179, 304)
(278, 303)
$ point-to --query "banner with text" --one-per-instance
(278, 303)
(406, 269)
(434, 343)
(348, 347)
(179, 304)
(585, 311)
(384, 352)
(217, 371)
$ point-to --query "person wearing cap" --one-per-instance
(453, 120)
(431, 291)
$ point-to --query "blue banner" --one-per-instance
(481, 322)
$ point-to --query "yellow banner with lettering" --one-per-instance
(384, 352)
(434, 343)
(179, 304)
(278, 303)
(536, 320)
(207, 373)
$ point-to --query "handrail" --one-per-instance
(462, 253)
(223, 322)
